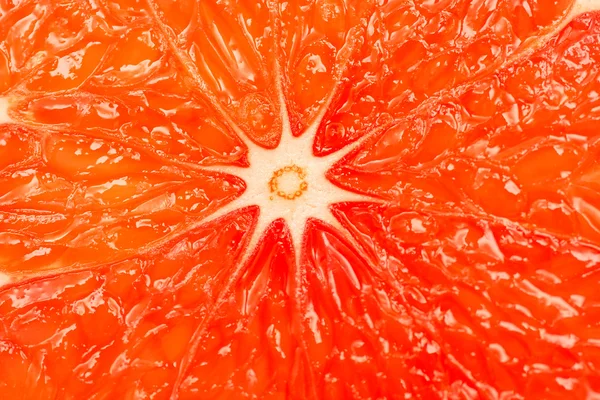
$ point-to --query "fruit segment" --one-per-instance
(519, 145)
(118, 331)
(319, 39)
(175, 128)
(125, 83)
(361, 339)
(68, 198)
(228, 52)
(501, 302)
(417, 50)
(35, 32)
(249, 347)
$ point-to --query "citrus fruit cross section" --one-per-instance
(300, 199)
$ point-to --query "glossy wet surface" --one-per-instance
(470, 270)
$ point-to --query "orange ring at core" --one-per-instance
(288, 195)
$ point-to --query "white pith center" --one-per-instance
(303, 191)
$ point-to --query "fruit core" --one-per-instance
(288, 182)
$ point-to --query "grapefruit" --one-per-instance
(325, 199)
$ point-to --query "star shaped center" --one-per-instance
(288, 183)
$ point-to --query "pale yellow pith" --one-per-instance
(288, 183)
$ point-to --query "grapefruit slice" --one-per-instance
(299, 199)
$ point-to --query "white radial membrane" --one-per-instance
(290, 165)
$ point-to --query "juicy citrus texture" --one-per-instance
(475, 276)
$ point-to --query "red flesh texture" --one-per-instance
(426, 309)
